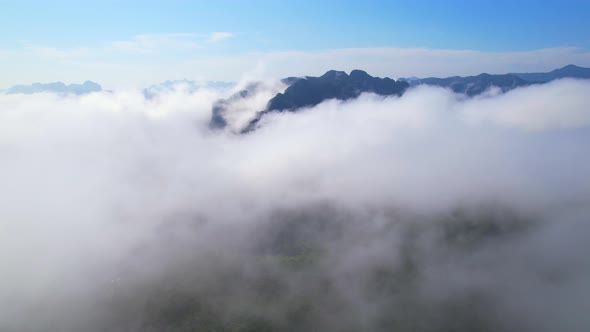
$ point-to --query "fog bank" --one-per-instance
(426, 212)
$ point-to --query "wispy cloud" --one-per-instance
(219, 36)
(145, 44)
(114, 64)
(54, 52)
(150, 43)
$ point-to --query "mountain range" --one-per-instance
(56, 87)
(89, 87)
(569, 71)
(475, 85)
(309, 91)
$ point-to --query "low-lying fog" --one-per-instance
(427, 212)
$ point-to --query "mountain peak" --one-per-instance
(334, 74)
(359, 74)
(571, 66)
(571, 71)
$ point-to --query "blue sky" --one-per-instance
(182, 31)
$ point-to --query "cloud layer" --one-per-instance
(420, 212)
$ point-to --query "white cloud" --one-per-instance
(138, 44)
(108, 194)
(220, 36)
(534, 113)
(110, 65)
(58, 53)
(150, 43)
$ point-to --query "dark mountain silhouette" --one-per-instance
(310, 91)
(569, 71)
(474, 85)
(56, 87)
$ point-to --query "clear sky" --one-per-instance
(130, 42)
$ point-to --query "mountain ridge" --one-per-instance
(569, 71)
(308, 91)
(475, 85)
(55, 87)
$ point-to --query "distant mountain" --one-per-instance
(187, 85)
(56, 87)
(569, 71)
(474, 85)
